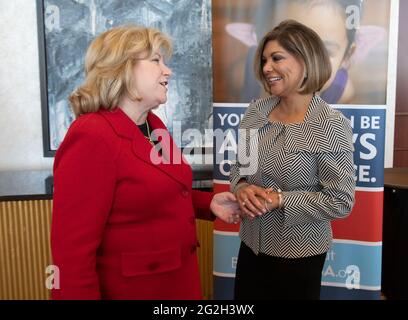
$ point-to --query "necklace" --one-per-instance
(149, 137)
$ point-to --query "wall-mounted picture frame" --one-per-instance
(65, 30)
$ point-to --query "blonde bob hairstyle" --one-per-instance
(306, 46)
(109, 65)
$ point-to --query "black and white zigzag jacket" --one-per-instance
(311, 162)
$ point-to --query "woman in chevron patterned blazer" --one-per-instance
(305, 170)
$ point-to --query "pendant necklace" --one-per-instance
(148, 137)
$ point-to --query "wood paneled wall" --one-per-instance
(205, 257)
(25, 250)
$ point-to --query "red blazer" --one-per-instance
(123, 227)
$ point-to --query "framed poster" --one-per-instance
(66, 28)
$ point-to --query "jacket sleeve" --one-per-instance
(235, 176)
(84, 183)
(335, 166)
(201, 203)
(334, 201)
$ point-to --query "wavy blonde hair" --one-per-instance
(109, 64)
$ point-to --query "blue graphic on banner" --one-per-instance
(223, 288)
(369, 143)
(354, 266)
(335, 293)
(368, 137)
(226, 253)
(226, 122)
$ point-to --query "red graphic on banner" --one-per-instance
(365, 221)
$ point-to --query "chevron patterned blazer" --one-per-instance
(311, 162)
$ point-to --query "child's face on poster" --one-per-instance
(329, 23)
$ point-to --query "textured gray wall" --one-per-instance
(20, 118)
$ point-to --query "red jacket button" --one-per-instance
(184, 193)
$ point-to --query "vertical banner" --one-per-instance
(226, 120)
(356, 35)
(353, 263)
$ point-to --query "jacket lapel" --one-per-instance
(261, 109)
(171, 160)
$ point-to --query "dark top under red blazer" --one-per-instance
(123, 227)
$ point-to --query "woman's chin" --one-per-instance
(159, 103)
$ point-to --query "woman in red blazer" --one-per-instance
(124, 212)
